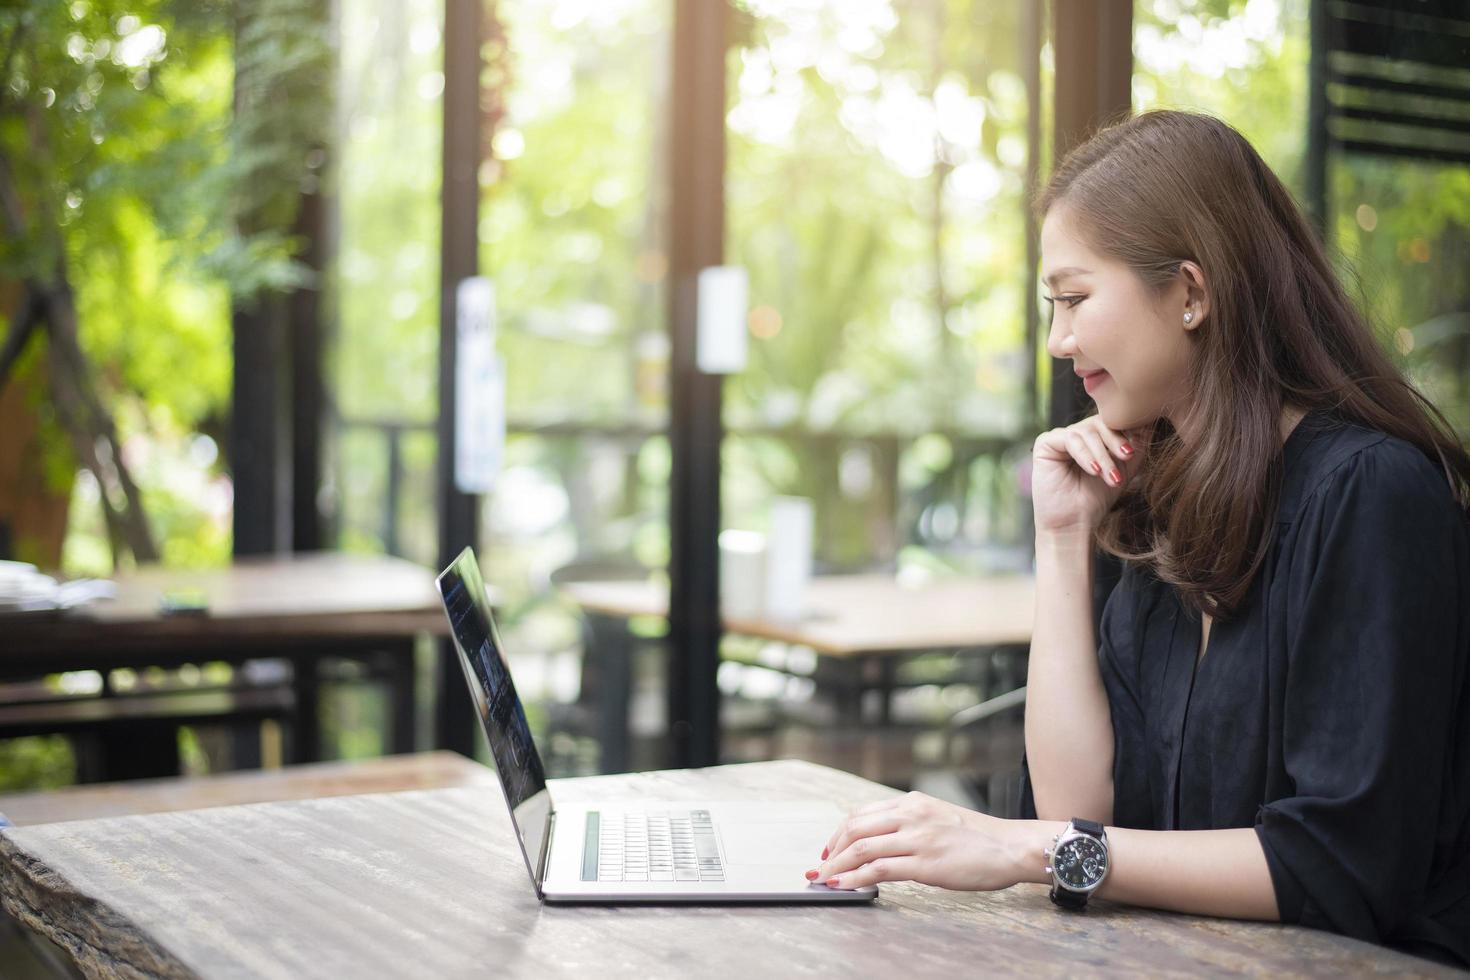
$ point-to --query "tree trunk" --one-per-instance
(87, 422)
(91, 426)
(22, 326)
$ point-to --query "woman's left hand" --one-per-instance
(915, 837)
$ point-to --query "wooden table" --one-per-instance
(29, 955)
(294, 607)
(861, 615)
(861, 624)
(431, 883)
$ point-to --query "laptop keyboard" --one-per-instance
(656, 845)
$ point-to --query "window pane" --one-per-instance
(875, 193)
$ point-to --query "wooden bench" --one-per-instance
(109, 731)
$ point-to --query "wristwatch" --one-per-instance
(1079, 862)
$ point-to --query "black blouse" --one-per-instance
(1332, 712)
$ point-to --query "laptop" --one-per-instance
(628, 851)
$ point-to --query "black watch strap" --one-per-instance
(1089, 827)
(1069, 899)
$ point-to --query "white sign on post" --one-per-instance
(788, 558)
(479, 388)
(720, 337)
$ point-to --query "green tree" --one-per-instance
(136, 201)
(1399, 228)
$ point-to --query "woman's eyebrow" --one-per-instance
(1057, 276)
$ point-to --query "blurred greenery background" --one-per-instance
(875, 192)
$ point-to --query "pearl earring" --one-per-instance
(1189, 318)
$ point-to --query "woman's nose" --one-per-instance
(1060, 343)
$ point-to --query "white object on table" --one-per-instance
(25, 589)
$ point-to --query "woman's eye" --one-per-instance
(1071, 301)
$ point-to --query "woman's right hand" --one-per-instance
(1072, 472)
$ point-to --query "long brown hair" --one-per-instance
(1168, 186)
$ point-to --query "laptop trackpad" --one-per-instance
(788, 843)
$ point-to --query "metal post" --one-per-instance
(697, 227)
(459, 259)
(392, 498)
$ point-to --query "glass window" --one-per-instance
(875, 193)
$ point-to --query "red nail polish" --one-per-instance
(1096, 467)
(831, 882)
(811, 875)
(824, 854)
(1127, 449)
(1117, 477)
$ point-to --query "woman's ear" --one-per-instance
(1196, 294)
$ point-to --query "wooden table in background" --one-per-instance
(298, 607)
(860, 615)
(864, 624)
(432, 884)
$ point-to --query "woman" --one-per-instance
(1282, 669)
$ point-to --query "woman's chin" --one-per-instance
(1122, 418)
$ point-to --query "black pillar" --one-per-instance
(258, 422)
(697, 229)
(278, 392)
(459, 259)
(260, 518)
(307, 341)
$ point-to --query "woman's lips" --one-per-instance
(1091, 381)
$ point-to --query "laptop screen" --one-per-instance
(501, 714)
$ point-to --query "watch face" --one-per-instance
(1080, 862)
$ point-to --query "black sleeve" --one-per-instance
(1373, 597)
(1117, 657)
